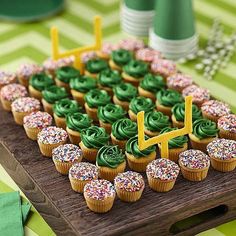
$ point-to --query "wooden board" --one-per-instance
(66, 211)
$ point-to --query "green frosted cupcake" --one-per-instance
(94, 66)
(119, 58)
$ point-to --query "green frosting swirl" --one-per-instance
(124, 129)
(109, 78)
(78, 121)
(41, 81)
(204, 128)
(156, 121)
(110, 156)
(65, 73)
(132, 148)
(96, 65)
(54, 93)
(66, 106)
(125, 92)
(136, 69)
(83, 84)
(177, 142)
(121, 56)
(152, 83)
(169, 97)
(178, 110)
(141, 104)
(94, 137)
(96, 97)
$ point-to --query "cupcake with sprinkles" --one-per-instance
(64, 156)
(122, 130)
(99, 195)
(86, 56)
(75, 123)
(147, 55)
(139, 159)
(11, 92)
(200, 95)
(22, 107)
(92, 139)
(162, 174)
(129, 186)
(227, 126)
(35, 122)
(131, 44)
(223, 154)
(214, 109)
(119, 58)
(25, 71)
(80, 174)
(110, 162)
(123, 94)
(106, 50)
(179, 81)
(94, 66)
(49, 138)
(6, 78)
(194, 164)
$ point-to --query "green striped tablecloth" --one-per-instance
(31, 43)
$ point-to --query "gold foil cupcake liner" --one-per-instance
(19, 116)
(160, 185)
(114, 66)
(132, 116)
(63, 167)
(127, 196)
(46, 149)
(147, 94)
(106, 126)
(223, 165)
(35, 93)
(62, 84)
(78, 96)
(32, 133)
(78, 185)
(176, 123)
(89, 154)
(60, 121)
(165, 110)
(74, 136)
(92, 112)
(47, 107)
(123, 104)
(129, 79)
(121, 143)
(227, 134)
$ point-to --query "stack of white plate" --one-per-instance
(135, 22)
(173, 49)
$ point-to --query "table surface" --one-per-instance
(31, 43)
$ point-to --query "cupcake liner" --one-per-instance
(163, 109)
(88, 153)
(74, 136)
(129, 196)
(160, 185)
(109, 90)
(102, 55)
(46, 149)
(62, 84)
(139, 164)
(114, 66)
(210, 117)
(93, 75)
(227, 134)
(6, 105)
(123, 104)
(129, 79)
(110, 173)
(132, 115)
(121, 143)
(35, 93)
(147, 94)
(223, 165)
(32, 133)
(24, 80)
(78, 185)
(60, 121)
(78, 96)
(63, 167)
(47, 107)
(151, 133)
(92, 112)
(106, 126)
(177, 88)
(176, 123)
(194, 174)
(19, 116)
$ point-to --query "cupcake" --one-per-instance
(62, 108)
(25, 71)
(50, 138)
(109, 114)
(92, 139)
(80, 86)
(94, 99)
(194, 164)
(162, 174)
(51, 95)
(75, 122)
(134, 71)
(64, 75)
(94, 66)
(163, 67)
(154, 122)
(150, 85)
(119, 58)
(178, 114)
(140, 104)
(176, 145)
(6, 78)
(89, 55)
(99, 195)
(131, 44)
(106, 50)
(80, 174)
(139, 159)
(110, 162)
(223, 155)
(107, 79)
(122, 130)
(129, 186)
(22, 107)
(64, 156)
(11, 92)
(227, 126)
(204, 132)
(214, 109)
(166, 99)
(35, 122)
(200, 95)
(123, 94)
(38, 83)
(179, 81)
(147, 55)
